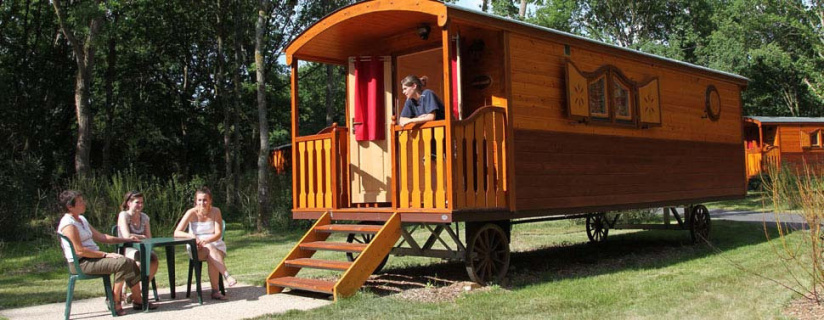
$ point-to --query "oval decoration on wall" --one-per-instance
(481, 82)
(713, 103)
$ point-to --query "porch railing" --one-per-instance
(771, 158)
(421, 165)
(479, 176)
(320, 177)
(753, 162)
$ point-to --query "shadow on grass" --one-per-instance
(636, 250)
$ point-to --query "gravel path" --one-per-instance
(244, 301)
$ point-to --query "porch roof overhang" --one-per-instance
(785, 120)
(379, 27)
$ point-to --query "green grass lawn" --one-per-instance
(554, 273)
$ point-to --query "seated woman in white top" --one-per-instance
(205, 223)
(93, 261)
(133, 222)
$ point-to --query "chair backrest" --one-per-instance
(74, 256)
(115, 231)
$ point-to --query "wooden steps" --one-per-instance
(319, 264)
(350, 228)
(313, 285)
(333, 246)
(355, 273)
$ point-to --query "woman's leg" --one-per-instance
(204, 255)
(153, 267)
(123, 269)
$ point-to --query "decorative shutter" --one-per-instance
(649, 103)
(577, 95)
(805, 138)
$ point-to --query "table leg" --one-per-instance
(145, 253)
(198, 267)
(198, 270)
(170, 265)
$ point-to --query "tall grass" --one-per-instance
(165, 200)
(801, 189)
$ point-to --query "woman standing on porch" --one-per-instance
(421, 105)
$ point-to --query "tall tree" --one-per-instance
(263, 124)
(84, 57)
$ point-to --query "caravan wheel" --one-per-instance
(487, 254)
(699, 224)
(597, 227)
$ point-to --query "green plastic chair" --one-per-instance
(107, 281)
(122, 250)
(193, 264)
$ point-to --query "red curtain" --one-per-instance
(369, 100)
(453, 57)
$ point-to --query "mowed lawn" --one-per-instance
(554, 273)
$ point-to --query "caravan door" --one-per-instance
(370, 161)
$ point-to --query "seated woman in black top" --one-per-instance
(421, 105)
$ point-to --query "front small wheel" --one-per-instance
(699, 223)
(597, 227)
(487, 254)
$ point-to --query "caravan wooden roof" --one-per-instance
(383, 27)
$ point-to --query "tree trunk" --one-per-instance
(239, 58)
(84, 57)
(220, 98)
(522, 11)
(263, 125)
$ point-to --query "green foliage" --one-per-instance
(313, 97)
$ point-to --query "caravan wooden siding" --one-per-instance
(539, 98)
(796, 149)
(561, 163)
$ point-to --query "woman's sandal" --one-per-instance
(118, 310)
(230, 281)
(218, 296)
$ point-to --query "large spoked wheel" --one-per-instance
(487, 254)
(597, 227)
(365, 239)
(699, 224)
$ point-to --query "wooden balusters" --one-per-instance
(420, 164)
(320, 171)
(480, 176)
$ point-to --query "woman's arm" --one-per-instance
(105, 238)
(123, 225)
(148, 228)
(81, 251)
(419, 119)
(181, 226)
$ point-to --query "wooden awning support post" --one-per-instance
(294, 94)
(446, 39)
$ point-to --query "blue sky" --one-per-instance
(470, 4)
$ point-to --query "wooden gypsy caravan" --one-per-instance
(540, 125)
(783, 141)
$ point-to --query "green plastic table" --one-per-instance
(145, 246)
